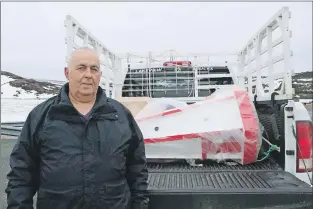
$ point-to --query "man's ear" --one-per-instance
(66, 72)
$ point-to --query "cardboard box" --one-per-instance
(134, 104)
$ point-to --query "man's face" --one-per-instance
(84, 72)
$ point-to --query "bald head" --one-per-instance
(83, 73)
(78, 53)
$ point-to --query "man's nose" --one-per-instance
(87, 72)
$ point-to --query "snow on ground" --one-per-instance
(16, 103)
(17, 109)
(306, 101)
(8, 91)
(5, 80)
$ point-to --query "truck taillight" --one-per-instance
(304, 151)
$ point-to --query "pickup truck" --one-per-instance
(279, 180)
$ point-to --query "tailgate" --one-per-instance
(226, 188)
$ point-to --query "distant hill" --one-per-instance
(303, 84)
(14, 86)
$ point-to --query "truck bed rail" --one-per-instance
(268, 164)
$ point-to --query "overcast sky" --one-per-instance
(33, 34)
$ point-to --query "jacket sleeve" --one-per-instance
(137, 172)
(24, 174)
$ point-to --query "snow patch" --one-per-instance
(5, 79)
(304, 79)
(306, 101)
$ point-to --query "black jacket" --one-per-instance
(77, 163)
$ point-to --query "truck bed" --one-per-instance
(260, 185)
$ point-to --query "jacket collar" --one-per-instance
(64, 108)
(101, 98)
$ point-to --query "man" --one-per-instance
(79, 149)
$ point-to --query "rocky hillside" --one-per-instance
(303, 84)
(14, 86)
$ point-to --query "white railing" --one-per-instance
(265, 60)
(259, 67)
(77, 36)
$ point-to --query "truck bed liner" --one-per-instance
(225, 188)
(226, 182)
(260, 177)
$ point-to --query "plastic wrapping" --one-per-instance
(225, 126)
(158, 106)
